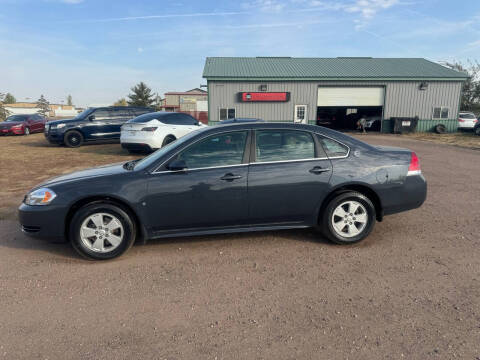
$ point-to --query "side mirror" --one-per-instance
(177, 165)
(91, 117)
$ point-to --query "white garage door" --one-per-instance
(350, 96)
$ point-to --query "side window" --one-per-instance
(101, 115)
(333, 148)
(216, 150)
(282, 145)
(185, 119)
(120, 113)
(227, 113)
(138, 112)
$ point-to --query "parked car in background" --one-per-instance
(93, 124)
(232, 178)
(373, 123)
(476, 128)
(150, 132)
(240, 120)
(22, 124)
(466, 120)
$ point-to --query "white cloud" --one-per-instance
(369, 8)
(265, 5)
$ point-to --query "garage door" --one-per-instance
(350, 96)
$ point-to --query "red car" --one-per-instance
(22, 124)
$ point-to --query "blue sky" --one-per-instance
(96, 50)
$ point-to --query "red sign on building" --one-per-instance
(264, 96)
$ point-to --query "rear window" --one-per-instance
(333, 148)
(147, 117)
(467, 116)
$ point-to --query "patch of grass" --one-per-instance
(29, 160)
(462, 139)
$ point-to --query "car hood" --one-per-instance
(55, 122)
(9, 124)
(106, 170)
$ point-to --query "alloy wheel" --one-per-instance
(349, 219)
(101, 232)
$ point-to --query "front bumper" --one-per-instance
(43, 222)
(12, 132)
(53, 136)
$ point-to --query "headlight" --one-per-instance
(59, 126)
(41, 196)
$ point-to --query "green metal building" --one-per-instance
(333, 91)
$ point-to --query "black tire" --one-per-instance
(122, 215)
(26, 132)
(440, 129)
(73, 138)
(168, 139)
(326, 219)
(477, 130)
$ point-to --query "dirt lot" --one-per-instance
(410, 291)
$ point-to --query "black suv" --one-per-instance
(93, 124)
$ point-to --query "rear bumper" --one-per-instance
(410, 195)
(137, 147)
(43, 222)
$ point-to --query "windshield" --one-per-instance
(16, 118)
(152, 158)
(83, 114)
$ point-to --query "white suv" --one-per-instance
(466, 120)
(151, 131)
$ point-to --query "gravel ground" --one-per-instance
(410, 291)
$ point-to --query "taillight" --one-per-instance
(151, 128)
(414, 168)
(461, 120)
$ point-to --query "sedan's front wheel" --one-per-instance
(348, 218)
(102, 231)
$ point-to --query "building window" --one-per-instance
(227, 113)
(440, 112)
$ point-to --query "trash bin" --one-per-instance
(402, 125)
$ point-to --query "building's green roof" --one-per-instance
(286, 68)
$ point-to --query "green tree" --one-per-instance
(120, 102)
(141, 95)
(69, 100)
(43, 105)
(3, 112)
(470, 100)
(9, 99)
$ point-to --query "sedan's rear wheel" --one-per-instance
(168, 139)
(348, 218)
(102, 231)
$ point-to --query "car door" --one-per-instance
(179, 126)
(210, 192)
(288, 178)
(117, 117)
(96, 127)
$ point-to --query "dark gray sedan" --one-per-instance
(229, 178)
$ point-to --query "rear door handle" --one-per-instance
(319, 170)
(230, 177)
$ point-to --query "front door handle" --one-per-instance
(230, 177)
(319, 170)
